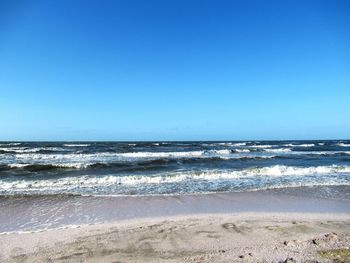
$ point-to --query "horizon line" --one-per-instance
(174, 140)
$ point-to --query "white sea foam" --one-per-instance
(109, 156)
(86, 162)
(76, 145)
(217, 152)
(63, 165)
(303, 184)
(343, 144)
(299, 145)
(161, 154)
(306, 145)
(281, 170)
(238, 144)
(79, 160)
(18, 165)
(31, 150)
(319, 152)
(260, 146)
(20, 149)
(325, 152)
(10, 144)
(69, 183)
(278, 150)
(242, 150)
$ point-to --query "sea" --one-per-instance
(170, 168)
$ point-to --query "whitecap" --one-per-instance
(260, 146)
(343, 144)
(20, 149)
(32, 150)
(299, 145)
(242, 150)
(10, 144)
(239, 144)
(306, 145)
(76, 145)
(278, 150)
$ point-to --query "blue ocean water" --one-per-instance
(141, 168)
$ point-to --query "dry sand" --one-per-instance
(244, 237)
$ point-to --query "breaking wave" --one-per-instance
(134, 165)
(69, 183)
(32, 150)
(10, 144)
(163, 167)
(76, 145)
(300, 145)
(343, 144)
(127, 156)
(278, 150)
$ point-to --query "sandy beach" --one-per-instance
(245, 237)
(182, 131)
(263, 226)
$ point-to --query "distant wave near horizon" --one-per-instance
(141, 168)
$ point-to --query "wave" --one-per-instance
(10, 144)
(343, 144)
(238, 144)
(32, 150)
(299, 145)
(42, 167)
(58, 166)
(162, 154)
(69, 183)
(80, 160)
(306, 145)
(19, 150)
(327, 153)
(278, 150)
(240, 151)
(301, 184)
(126, 156)
(136, 165)
(217, 152)
(261, 146)
(76, 145)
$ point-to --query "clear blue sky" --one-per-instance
(174, 70)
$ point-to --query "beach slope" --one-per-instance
(276, 232)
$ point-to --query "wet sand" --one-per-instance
(266, 226)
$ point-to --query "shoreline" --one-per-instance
(30, 213)
(265, 226)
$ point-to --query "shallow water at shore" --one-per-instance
(32, 213)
